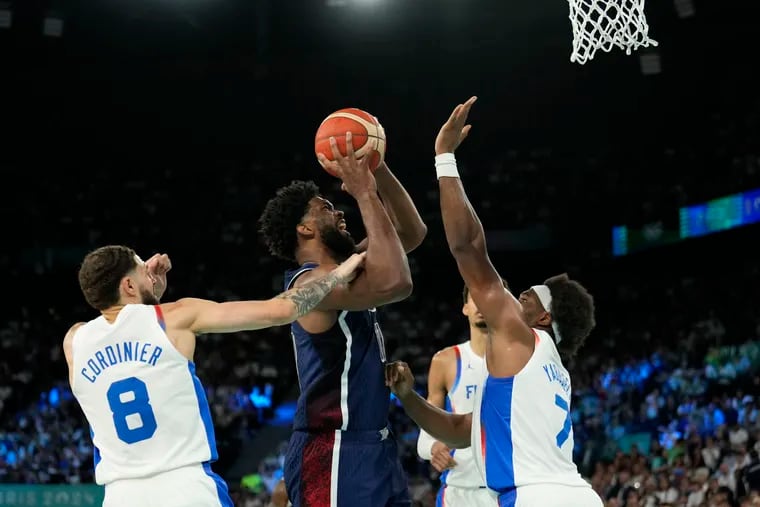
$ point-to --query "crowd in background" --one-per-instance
(665, 395)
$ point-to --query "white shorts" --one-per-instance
(551, 495)
(190, 486)
(452, 496)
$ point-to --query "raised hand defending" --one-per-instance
(455, 130)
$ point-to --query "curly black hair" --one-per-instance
(573, 310)
(281, 216)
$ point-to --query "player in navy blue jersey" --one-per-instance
(341, 452)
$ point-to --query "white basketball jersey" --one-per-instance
(471, 371)
(522, 432)
(147, 410)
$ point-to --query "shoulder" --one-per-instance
(444, 357)
(72, 331)
(68, 340)
(310, 274)
(543, 339)
(181, 314)
(443, 367)
(182, 303)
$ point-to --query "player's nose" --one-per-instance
(339, 214)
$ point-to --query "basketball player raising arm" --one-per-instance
(520, 427)
(340, 427)
(131, 370)
(401, 210)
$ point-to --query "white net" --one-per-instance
(604, 24)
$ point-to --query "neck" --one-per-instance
(318, 254)
(548, 329)
(112, 312)
(478, 339)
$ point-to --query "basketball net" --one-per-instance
(603, 24)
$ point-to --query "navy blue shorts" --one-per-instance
(345, 469)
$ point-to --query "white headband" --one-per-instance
(545, 296)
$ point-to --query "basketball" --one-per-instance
(368, 136)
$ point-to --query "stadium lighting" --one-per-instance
(346, 3)
(6, 15)
(52, 25)
(650, 63)
(684, 8)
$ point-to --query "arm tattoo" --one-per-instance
(309, 295)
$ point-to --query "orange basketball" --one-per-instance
(368, 136)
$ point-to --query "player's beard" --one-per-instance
(148, 298)
(341, 244)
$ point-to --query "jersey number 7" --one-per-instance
(563, 435)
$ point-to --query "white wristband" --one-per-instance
(446, 166)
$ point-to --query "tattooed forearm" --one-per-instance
(309, 295)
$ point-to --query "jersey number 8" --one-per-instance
(129, 400)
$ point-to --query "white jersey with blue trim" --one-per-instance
(471, 370)
(147, 410)
(522, 432)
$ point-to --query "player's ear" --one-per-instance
(306, 230)
(128, 285)
(545, 320)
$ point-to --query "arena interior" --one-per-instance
(165, 125)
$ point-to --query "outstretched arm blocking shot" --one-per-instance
(137, 358)
(467, 243)
(526, 392)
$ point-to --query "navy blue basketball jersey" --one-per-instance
(340, 373)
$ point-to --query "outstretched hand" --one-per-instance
(455, 130)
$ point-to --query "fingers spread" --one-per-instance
(349, 145)
(337, 155)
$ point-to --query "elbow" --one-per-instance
(401, 288)
(460, 444)
(422, 231)
(459, 441)
(405, 289)
(414, 239)
(395, 290)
